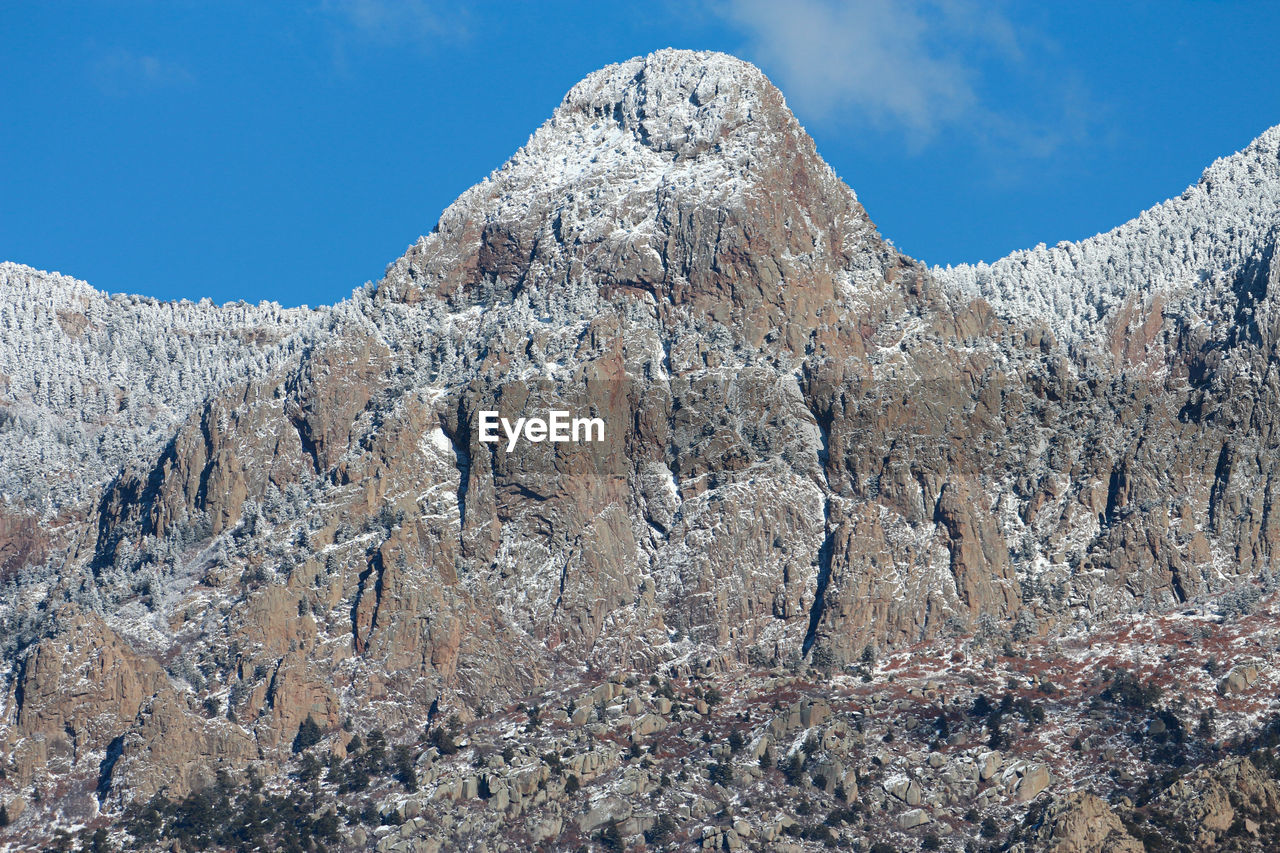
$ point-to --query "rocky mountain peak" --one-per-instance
(679, 101)
(668, 174)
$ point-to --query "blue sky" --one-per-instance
(289, 151)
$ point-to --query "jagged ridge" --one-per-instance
(1193, 246)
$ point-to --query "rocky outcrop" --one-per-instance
(1082, 823)
(75, 692)
(1214, 803)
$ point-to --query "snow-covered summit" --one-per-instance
(677, 101)
(630, 150)
(1193, 245)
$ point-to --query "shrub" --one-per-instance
(661, 829)
(442, 740)
(356, 777)
(375, 755)
(794, 768)
(610, 838)
(721, 774)
(308, 769)
(1205, 727)
(736, 741)
(820, 832)
(1127, 691)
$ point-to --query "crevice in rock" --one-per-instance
(1180, 594)
(461, 461)
(564, 574)
(270, 697)
(1113, 495)
(824, 578)
(532, 494)
(108, 764)
(374, 570)
(206, 435)
(823, 418)
(308, 443)
(20, 692)
(1221, 477)
(1250, 290)
(377, 591)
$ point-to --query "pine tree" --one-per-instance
(406, 772)
(610, 838)
(309, 735)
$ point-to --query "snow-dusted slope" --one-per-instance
(91, 382)
(631, 149)
(1196, 243)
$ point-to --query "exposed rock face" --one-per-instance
(1211, 801)
(1084, 823)
(816, 448)
(76, 690)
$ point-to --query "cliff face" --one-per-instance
(815, 447)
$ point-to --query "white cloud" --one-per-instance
(399, 20)
(122, 72)
(901, 63)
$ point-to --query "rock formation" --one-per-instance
(818, 451)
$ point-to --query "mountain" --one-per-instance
(868, 551)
